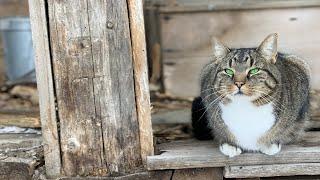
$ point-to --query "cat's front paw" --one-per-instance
(271, 150)
(229, 150)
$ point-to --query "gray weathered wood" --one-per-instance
(140, 66)
(45, 87)
(195, 154)
(92, 60)
(150, 175)
(272, 170)
(183, 6)
(198, 174)
(20, 154)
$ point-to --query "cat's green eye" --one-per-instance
(254, 71)
(229, 72)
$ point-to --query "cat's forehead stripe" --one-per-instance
(241, 56)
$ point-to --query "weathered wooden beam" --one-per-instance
(272, 170)
(140, 66)
(45, 86)
(173, 6)
(99, 70)
(198, 174)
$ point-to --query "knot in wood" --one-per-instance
(110, 25)
(73, 144)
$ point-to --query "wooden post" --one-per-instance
(141, 77)
(97, 53)
(45, 87)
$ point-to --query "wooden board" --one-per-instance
(20, 120)
(198, 174)
(186, 38)
(182, 6)
(272, 170)
(45, 87)
(140, 66)
(196, 154)
(93, 69)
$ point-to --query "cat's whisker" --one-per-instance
(271, 99)
(212, 103)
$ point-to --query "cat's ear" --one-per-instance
(219, 49)
(269, 48)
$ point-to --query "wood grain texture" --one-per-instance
(186, 38)
(20, 120)
(183, 6)
(93, 69)
(196, 154)
(272, 170)
(45, 87)
(140, 66)
(198, 174)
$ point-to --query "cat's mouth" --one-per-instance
(239, 93)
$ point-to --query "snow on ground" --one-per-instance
(15, 129)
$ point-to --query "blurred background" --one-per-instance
(19, 111)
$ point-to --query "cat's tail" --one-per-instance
(201, 130)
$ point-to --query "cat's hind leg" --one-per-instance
(230, 150)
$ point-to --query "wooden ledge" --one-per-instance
(182, 6)
(199, 154)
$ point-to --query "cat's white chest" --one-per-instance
(246, 121)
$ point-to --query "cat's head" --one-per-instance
(247, 71)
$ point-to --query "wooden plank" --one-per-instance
(272, 170)
(24, 141)
(186, 42)
(198, 174)
(153, 40)
(140, 66)
(20, 120)
(14, 8)
(154, 175)
(185, 6)
(93, 70)
(45, 87)
(197, 154)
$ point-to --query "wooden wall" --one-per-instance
(185, 39)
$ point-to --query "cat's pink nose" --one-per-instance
(239, 84)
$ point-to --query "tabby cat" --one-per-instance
(252, 99)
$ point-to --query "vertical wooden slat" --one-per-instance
(45, 87)
(138, 42)
(73, 72)
(94, 80)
